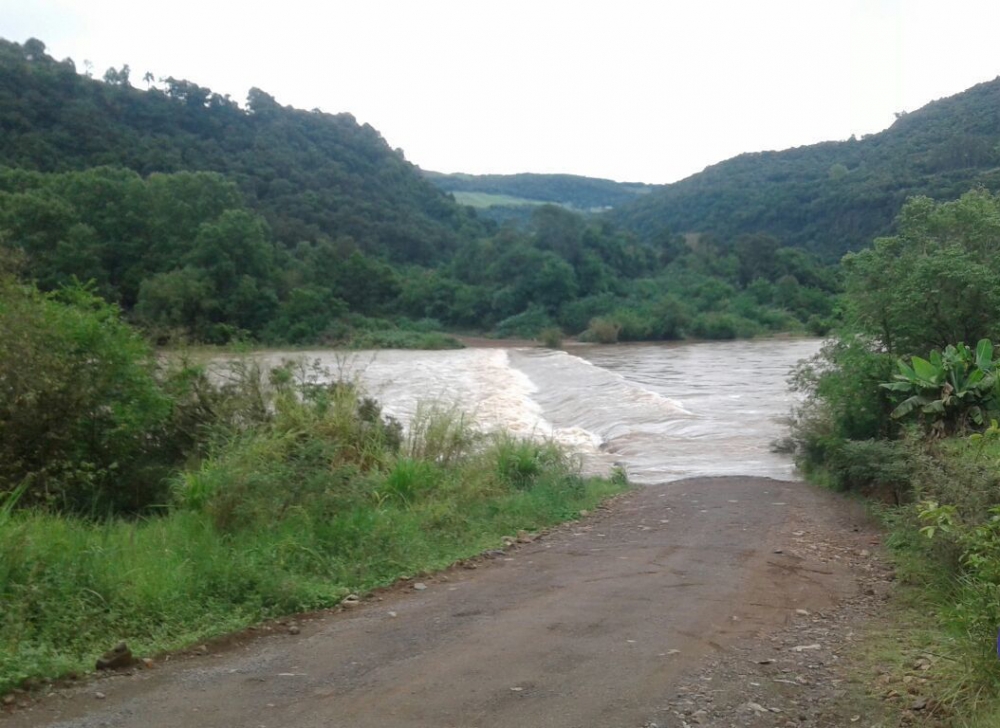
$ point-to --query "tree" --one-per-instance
(119, 77)
(935, 283)
(757, 257)
(558, 230)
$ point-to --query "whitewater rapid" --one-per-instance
(664, 411)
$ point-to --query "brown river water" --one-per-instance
(663, 411)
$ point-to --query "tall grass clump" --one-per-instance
(551, 337)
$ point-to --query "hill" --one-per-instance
(310, 174)
(836, 196)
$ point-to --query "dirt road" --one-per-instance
(598, 624)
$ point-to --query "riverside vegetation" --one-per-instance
(142, 499)
(903, 404)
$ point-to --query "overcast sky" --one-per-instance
(632, 90)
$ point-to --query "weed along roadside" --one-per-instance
(269, 494)
(903, 406)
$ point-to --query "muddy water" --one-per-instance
(664, 411)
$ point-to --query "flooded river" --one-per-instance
(665, 411)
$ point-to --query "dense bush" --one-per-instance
(843, 398)
(950, 390)
(84, 423)
(602, 330)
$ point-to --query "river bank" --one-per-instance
(703, 602)
(298, 500)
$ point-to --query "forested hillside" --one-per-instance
(836, 196)
(309, 174)
(208, 221)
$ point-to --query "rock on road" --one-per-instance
(594, 624)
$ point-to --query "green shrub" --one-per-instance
(576, 315)
(602, 331)
(520, 462)
(399, 339)
(440, 435)
(84, 424)
(551, 337)
(635, 325)
(844, 400)
(408, 479)
(882, 467)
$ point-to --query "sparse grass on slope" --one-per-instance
(488, 199)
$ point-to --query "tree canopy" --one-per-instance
(935, 283)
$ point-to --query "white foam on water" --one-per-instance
(664, 411)
(479, 383)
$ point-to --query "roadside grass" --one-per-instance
(326, 499)
(922, 644)
(913, 632)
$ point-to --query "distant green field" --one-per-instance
(486, 199)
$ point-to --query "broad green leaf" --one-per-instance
(908, 405)
(906, 371)
(925, 370)
(984, 354)
(934, 408)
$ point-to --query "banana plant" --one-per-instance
(953, 386)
